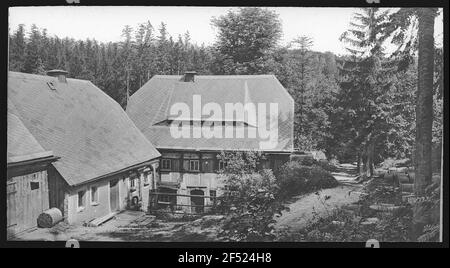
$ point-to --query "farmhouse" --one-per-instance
(105, 163)
(27, 181)
(167, 105)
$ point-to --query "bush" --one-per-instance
(295, 178)
(250, 205)
(344, 226)
(309, 161)
(250, 199)
(327, 165)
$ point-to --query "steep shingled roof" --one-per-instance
(22, 146)
(79, 123)
(151, 104)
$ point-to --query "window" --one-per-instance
(222, 164)
(51, 85)
(194, 165)
(207, 165)
(94, 195)
(212, 193)
(81, 199)
(147, 178)
(34, 185)
(164, 198)
(132, 182)
(166, 164)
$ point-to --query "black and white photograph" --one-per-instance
(277, 124)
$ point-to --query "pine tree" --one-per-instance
(366, 80)
(33, 61)
(17, 47)
(302, 62)
(162, 51)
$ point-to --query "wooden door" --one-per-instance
(114, 195)
(27, 198)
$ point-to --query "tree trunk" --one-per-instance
(369, 148)
(424, 115)
(363, 167)
(424, 104)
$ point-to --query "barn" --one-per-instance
(105, 163)
(27, 177)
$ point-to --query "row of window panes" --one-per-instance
(82, 199)
(194, 165)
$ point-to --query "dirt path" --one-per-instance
(305, 208)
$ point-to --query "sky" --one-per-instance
(323, 25)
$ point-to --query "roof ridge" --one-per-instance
(218, 76)
(40, 76)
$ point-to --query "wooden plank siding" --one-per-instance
(57, 189)
(27, 198)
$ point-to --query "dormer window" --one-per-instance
(51, 85)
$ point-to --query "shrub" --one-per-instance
(327, 165)
(295, 178)
(240, 162)
(250, 205)
(250, 199)
(309, 161)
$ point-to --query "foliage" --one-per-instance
(351, 223)
(245, 40)
(310, 78)
(427, 213)
(431, 233)
(295, 179)
(250, 198)
(366, 78)
(345, 224)
(240, 162)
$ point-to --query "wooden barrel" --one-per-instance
(49, 218)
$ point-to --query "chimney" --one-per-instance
(60, 74)
(189, 76)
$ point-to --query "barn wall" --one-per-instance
(24, 204)
(92, 210)
(206, 181)
(190, 181)
(57, 191)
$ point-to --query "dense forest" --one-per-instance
(358, 107)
